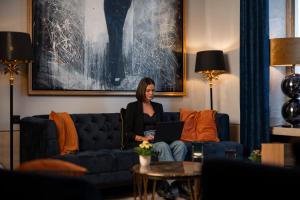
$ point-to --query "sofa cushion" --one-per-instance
(92, 160)
(104, 160)
(125, 159)
(98, 131)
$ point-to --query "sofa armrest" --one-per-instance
(222, 122)
(37, 138)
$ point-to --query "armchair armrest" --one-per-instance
(37, 138)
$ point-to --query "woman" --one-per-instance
(141, 118)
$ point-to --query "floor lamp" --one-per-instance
(211, 64)
(285, 52)
(15, 50)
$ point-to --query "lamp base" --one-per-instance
(290, 85)
(290, 126)
(291, 112)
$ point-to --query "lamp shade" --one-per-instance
(15, 46)
(210, 60)
(285, 51)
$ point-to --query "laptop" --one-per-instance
(168, 131)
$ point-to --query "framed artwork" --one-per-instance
(105, 47)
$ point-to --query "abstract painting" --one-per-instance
(104, 47)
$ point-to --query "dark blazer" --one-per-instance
(135, 118)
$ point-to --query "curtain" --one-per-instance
(254, 73)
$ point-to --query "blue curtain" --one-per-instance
(254, 73)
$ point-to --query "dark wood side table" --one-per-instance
(188, 171)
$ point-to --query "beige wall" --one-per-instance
(210, 24)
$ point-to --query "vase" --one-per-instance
(145, 160)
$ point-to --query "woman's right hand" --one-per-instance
(144, 138)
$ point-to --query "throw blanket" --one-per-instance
(199, 126)
(66, 132)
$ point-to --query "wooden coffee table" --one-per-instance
(187, 171)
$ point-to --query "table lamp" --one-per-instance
(15, 49)
(211, 64)
(285, 52)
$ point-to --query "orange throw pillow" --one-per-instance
(66, 132)
(199, 126)
(52, 166)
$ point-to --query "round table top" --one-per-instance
(166, 169)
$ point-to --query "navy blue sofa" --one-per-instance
(101, 145)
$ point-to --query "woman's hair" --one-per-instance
(141, 89)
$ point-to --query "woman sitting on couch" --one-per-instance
(142, 117)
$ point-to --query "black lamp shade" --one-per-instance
(15, 49)
(210, 60)
(15, 46)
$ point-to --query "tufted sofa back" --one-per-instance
(98, 131)
(95, 131)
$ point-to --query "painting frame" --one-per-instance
(109, 92)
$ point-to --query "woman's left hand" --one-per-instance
(150, 137)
